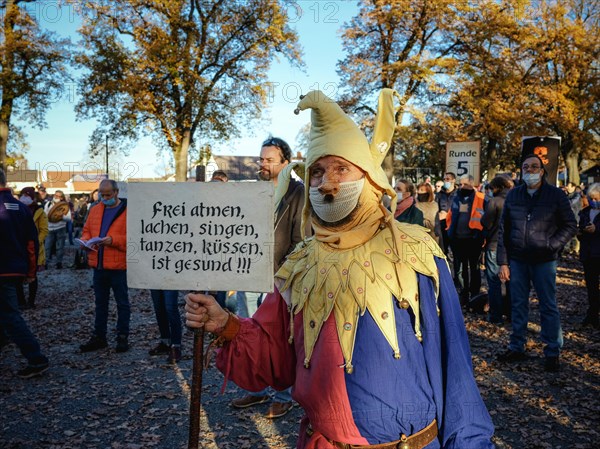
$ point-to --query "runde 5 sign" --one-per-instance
(463, 158)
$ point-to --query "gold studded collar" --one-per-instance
(320, 280)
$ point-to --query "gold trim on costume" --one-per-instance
(349, 282)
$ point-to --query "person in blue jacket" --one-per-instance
(18, 264)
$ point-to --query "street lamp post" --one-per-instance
(107, 156)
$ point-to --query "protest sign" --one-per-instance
(200, 236)
(463, 158)
(547, 149)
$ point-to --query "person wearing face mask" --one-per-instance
(364, 320)
(589, 253)
(499, 305)
(28, 197)
(406, 205)
(444, 199)
(59, 213)
(426, 203)
(537, 222)
(466, 238)
(108, 222)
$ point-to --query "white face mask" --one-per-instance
(343, 203)
(531, 179)
(56, 200)
(26, 200)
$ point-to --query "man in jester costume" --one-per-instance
(364, 322)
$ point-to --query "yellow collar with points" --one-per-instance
(349, 282)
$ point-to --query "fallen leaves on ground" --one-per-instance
(132, 400)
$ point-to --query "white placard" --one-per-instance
(463, 158)
(122, 189)
(200, 236)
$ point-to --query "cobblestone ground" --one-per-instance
(107, 400)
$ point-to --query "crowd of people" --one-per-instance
(469, 224)
(346, 289)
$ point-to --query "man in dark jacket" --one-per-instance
(444, 199)
(18, 264)
(463, 224)
(536, 224)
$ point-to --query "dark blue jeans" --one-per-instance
(498, 305)
(166, 308)
(57, 237)
(13, 324)
(104, 281)
(543, 278)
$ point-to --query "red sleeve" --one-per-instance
(31, 259)
(260, 355)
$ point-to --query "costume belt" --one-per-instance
(417, 440)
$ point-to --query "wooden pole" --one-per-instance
(197, 365)
(195, 399)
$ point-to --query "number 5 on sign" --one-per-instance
(462, 158)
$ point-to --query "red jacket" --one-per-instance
(115, 254)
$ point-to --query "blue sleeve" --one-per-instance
(463, 419)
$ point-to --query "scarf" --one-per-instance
(403, 205)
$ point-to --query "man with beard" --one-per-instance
(364, 321)
(275, 156)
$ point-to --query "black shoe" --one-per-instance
(59, 266)
(511, 356)
(94, 344)
(551, 364)
(32, 371)
(122, 343)
(159, 349)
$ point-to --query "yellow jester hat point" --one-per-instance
(334, 133)
(351, 280)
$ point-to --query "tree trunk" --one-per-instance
(388, 164)
(180, 155)
(3, 144)
(7, 63)
(571, 158)
(491, 157)
(572, 163)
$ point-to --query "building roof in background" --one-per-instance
(19, 176)
(238, 168)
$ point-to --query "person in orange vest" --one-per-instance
(465, 232)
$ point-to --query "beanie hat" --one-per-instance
(29, 191)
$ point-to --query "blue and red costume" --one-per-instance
(383, 397)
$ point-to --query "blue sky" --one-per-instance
(63, 144)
